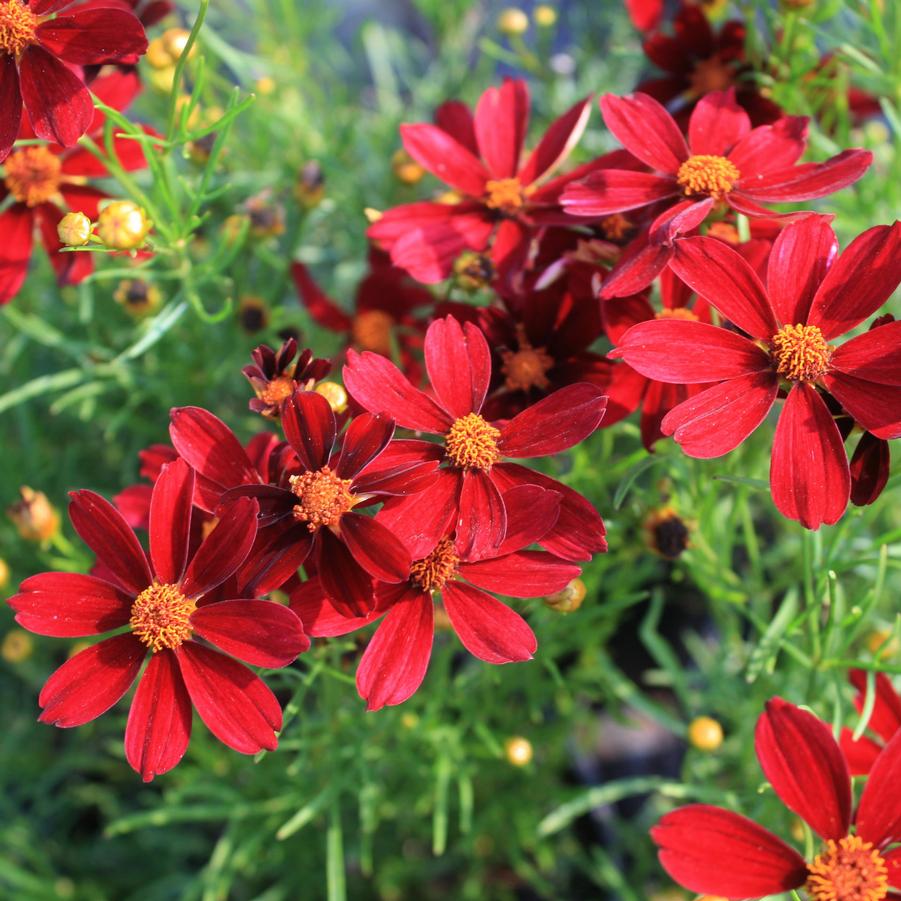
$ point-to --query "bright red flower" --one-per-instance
(396, 658)
(502, 201)
(276, 375)
(645, 14)
(164, 602)
(713, 851)
(725, 161)
(884, 722)
(469, 489)
(812, 296)
(40, 43)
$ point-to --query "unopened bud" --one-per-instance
(137, 297)
(334, 394)
(545, 16)
(705, 733)
(512, 21)
(74, 230)
(123, 225)
(35, 518)
(253, 314)
(568, 599)
(310, 187)
(473, 271)
(17, 646)
(405, 168)
(518, 750)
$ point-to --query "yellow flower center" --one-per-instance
(710, 75)
(161, 617)
(17, 27)
(677, 313)
(527, 367)
(32, 173)
(615, 226)
(323, 498)
(277, 390)
(504, 194)
(472, 442)
(848, 870)
(707, 174)
(433, 572)
(371, 330)
(800, 352)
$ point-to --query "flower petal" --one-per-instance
(375, 548)
(874, 355)
(458, 362)
(235, 705)
(634, 272)
(320, 306)
(809, 180)
(366, 437)
(557, 143)
(89, 683)
(501, 119)
(90, 36)
(717, 124)
(275, 556)
(170, 521)
(10, 104)
(159, 721)
(455, 117)
(348, 586)
(885, 719)
(522, 574)
(436, 151)
(860, 755)
(769, 148)
(876, 407)
(646, 130)
(614, 191)
(17, 228)
(481, 518)
(532, 511)
(870, 467)
(321, 618)
(310, 427)
(879, 814)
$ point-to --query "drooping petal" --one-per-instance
(458, 362)
(805, 765)
(481, 518)
(487, 628)
(106, 533)
(310, 428)
(876, 407)
(634, 272)
(262, 633)
(397, 656)
(375, 548)
(322, 619)
(17, 228)
(10, 104)
(170, 521)
(366, 437)
(523, 574)
(275, 557)
(870, 467)
(879, 813)
(809, 180)
(717, 420)
(347, 584)
(235, 704)
(159, 721)
(717, 124)
(532, 511)
(874, 355)
(89, 683)
(501, 119)
(615, 191)
(646, 130)
(435, 150)
(557, 143)
(714, 851)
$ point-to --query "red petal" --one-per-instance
(614, 191)
(321, 618)
(523, 574)
(321, 307)
(862, 279)
(224, 549)
(717, 420)
(261, 633)
(83, 199)
(395, 661)
(724, 278)
(557, 143)
(487, 628)
(532, 512)
(310, 428)
(380, 387)
(347, 584)
(876, 407)
(482, 518)
(89, 683)
(885, 720)
(170, 521)
(159, 722)
(501, 119)
(277, 553)
(714, 851)
(557, 422)
(879, 814)
(874, 355)
(66, 605)
(90, 36)
(106, 533)
(17, 228)
(10, 104)
(645, 14)
(860, 755)
(375, 548)
(366, 437)
(870, 467)
(717, 124)
(435, 150)
(235, 705)
(59, 105)
(459, 365)
(455, 118)
(634, 272)
(769, 148)
(646, 130)
(809, 180)
(805, 766)
(621, 314)
(893, 862)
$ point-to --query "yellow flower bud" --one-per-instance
(174, 41)
(372, 214)
(705, 733)
(334, 394)
(568, 599)
(409, 720)
(545, 16)
(158, 55)
(35, 518)
(405, 168)
(74, 230)
(137, 297)
(123, 225)
(518, 750)
(882, 643)
(4, 573)
(512, 21)
(17, 646)
(265, 86)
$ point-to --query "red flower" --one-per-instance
(812, 296)
(645, 14)
(724, 162)
(151, 12)
(46, 181)
(884, 722)
(163, 601)
(276, 375)
(395, 661)
(501, 203)
(469, 489)
(713, 851)
(40, 42)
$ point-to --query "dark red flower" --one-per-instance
(812, 296)
(884, 722)
(724, 162)
(710, 850)
(396, 658)
(469, 489)
(151, 12)
(164, 602)
(276, 375)
(41, 43)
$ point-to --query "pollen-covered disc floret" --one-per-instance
(32, 173)
(17, 27)
(323, 498)
(677, 313)
(472, 442)
(707, 174)
(277, 390)
(800, 352)
(526, 367)
(848, 870)
(504, 194)
(433, 572)
(161, 617)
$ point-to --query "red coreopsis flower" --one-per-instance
(645, 14)
(710, 850)
(395, 661)
(884, 722)
(812, 296)
(276, 375)
(40, 43)
(44, 182)
(724, 162)
(469, 489)
(162, 601)
(502, 200)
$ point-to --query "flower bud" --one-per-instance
(518, 750)
(17, 646)
(405, 168)
(267, 218)
(123, 225)
(174, 41)
(512, 21)
(35, 518)
(705, 733)
(158, 55)
(882, 643)
(137, 297)
(253, 314)
(4, 573)
(265, 86)
(667, 533)
(74, 230)
(310, 187)
(473, 271)
(334, 394)
(545, 16)
(568, 599)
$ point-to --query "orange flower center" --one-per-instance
(800, 352)
(677, 313)
(17, 27)
(433, 572)
(323, 498)
(161, 617)
(725, 232)
(615, 227)
(472, 442)
(707, 174)
(371, 330)
(504, 194)
(711, 75)
(277, 390)
(32, 173)
(848, 870)
(527, 367)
